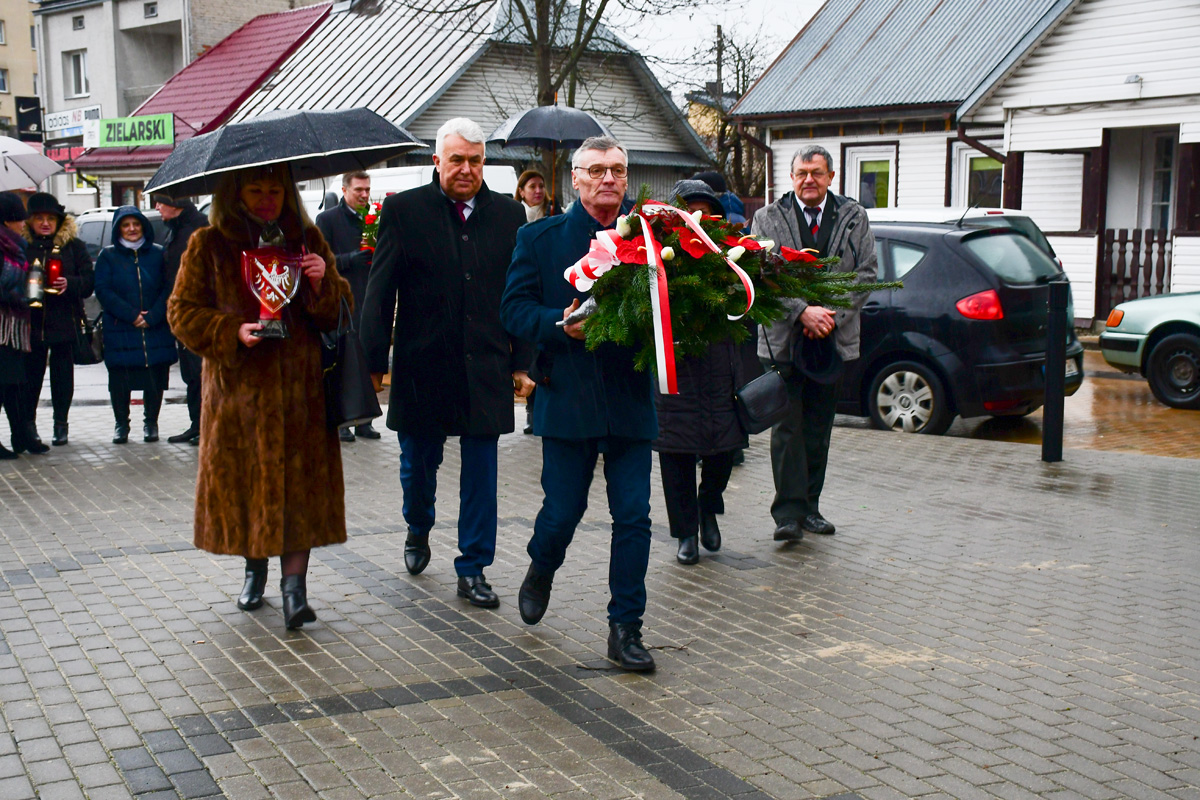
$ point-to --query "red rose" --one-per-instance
(796, 255)
(370, 219)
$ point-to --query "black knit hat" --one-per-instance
(45, 203)
(698, 190)
(713, 179)
(166, 200)
(11, 208)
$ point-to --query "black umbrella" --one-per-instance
(314, 144)
(548, 127)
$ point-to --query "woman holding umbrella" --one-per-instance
(270, 475)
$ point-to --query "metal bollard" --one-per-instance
(1056, 360)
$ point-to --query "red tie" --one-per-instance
(461, 207)
(812, 218)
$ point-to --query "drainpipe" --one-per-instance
(768, 184)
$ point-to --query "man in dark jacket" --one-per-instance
(443, 251)
(812, 217)
(342, 227)
(182, 219)
(591, 402)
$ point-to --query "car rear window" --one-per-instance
(1023, 224)
(1014, 258)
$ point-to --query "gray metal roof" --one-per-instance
(1032, 38)
(856, 54)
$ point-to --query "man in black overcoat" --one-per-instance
(182, 219)
(342, 227)
(439, 271)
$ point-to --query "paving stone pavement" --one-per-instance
(982, 626)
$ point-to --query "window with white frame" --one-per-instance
(149, 10)
(978, 179)
(75, 74)
(3, 32)
(80, 183)
(33, 37)
(4, 81)
(77, 23)
(871, 174)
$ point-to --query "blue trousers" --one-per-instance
(567, 469)
(420, 457)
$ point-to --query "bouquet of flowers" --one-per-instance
(666, 280)
(370, 219)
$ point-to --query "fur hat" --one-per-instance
(11, 208)
(45, 203)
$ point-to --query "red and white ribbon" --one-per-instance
(694, 226)
(664, 344)
(601, 257)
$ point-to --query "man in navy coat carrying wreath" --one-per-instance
(439, 270)
(591, 403)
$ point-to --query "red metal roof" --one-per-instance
(203, 94)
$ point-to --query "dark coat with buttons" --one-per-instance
(441, 281)
(586, 393)
(58, 318)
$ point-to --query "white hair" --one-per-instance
(601, 143)
(459, 126)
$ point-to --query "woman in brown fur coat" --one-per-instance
(270, 476)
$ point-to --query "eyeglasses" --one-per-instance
(803, 175)
(596, 172)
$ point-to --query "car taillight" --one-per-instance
(1114, 318)
(984, 305)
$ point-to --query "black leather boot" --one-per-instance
(256, 584)
(150, 432)
(295, 602)
(31, 433)
(689, 552)
(121, 433)
(710, 533)
(28, 440)
(625, 647)
(60, 434)
(534, 596)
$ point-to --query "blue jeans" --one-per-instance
(420, 457)
(567, 468)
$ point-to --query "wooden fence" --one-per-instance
(1131, 264)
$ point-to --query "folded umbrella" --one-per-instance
(315, 144)
(23, 167)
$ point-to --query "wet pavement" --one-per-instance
(982, 625)
(1110, 411)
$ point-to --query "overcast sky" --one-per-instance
(670, 41)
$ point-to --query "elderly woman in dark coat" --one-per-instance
(52, 237)
(132, 287)
(270, 477)
(14, 321)
(699, 424)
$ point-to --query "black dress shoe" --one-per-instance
(256, 583)
(6, 454)
(789, 531)
(60, 434)
(534, 596)
(367, 432)
(295, 602)
(346, 435)
(689, 551)
(186, 436)
(477, 591)
(815, 523)
(150, 432)
(120, 434)
(195, 440)
(625, 647)
(34, 446)
(416, 553)
(710, 533)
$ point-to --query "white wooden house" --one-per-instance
(420, 69)
(1006, 102)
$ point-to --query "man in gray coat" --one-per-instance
(811, 217)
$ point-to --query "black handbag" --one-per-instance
(350, 398)
(88, 348)
(763, 401)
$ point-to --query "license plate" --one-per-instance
(1072, 368)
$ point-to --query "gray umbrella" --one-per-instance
(314, 144)
(22, 167)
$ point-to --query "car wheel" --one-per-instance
(908, 397)
(1174, 370)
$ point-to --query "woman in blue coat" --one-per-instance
(139, 349)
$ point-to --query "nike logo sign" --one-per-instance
(26, 110)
